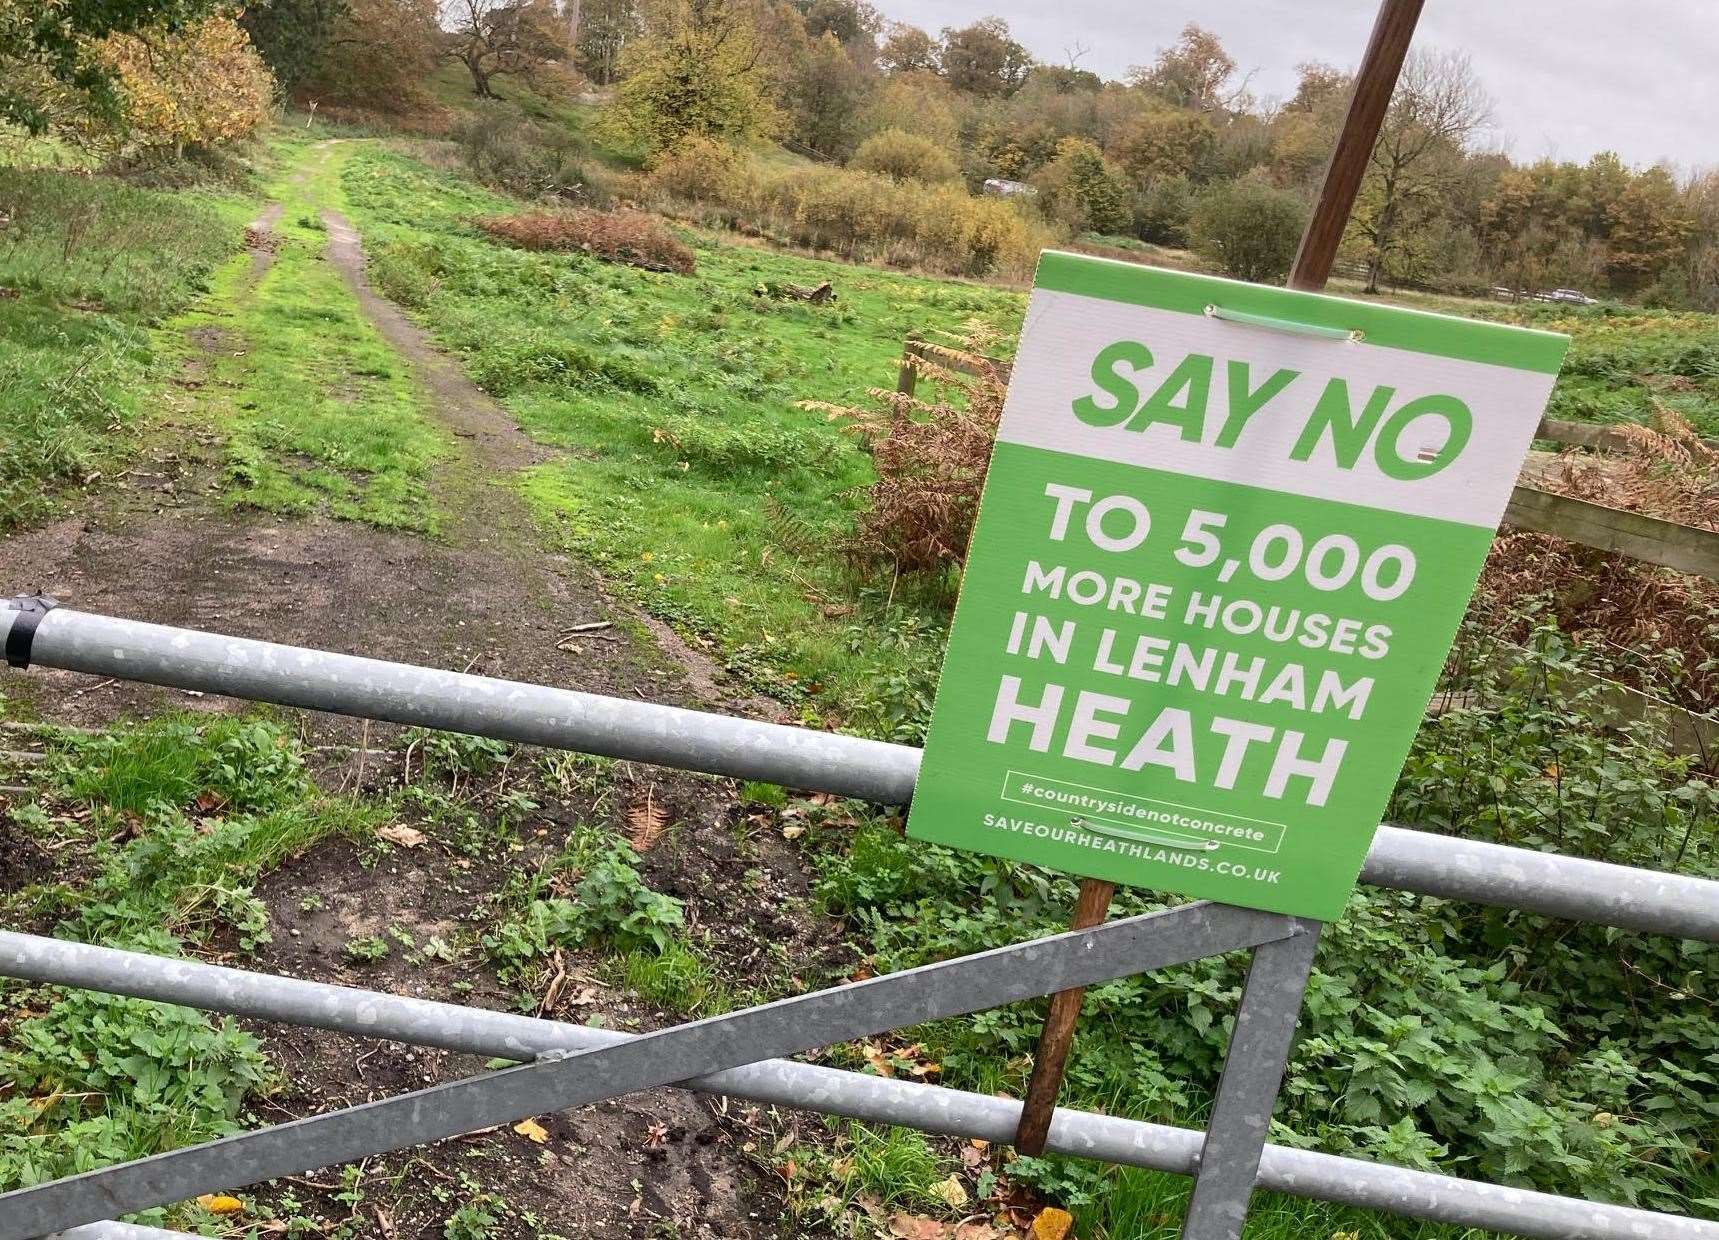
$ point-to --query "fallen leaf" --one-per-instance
(952, 1192)
(208, 802)
(980, 1231)
(971, 1158)
(878, 1060)
(220, 1203)
(793, 832)
(914, 1227)
(531, 1130)
(399, 833)
(1052, 1224)
(648, 822)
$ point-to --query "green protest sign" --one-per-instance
(1227, 535)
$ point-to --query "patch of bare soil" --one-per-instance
(655, 1164)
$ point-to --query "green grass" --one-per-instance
(1623, 360)
(691, 478)
(319, 412)
(87, 265)
(167, 826)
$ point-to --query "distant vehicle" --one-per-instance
(1570, 296)
(1002, 188)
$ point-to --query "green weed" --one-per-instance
(675, 978)
(97, 1079)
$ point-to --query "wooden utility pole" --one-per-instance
(1375, 83)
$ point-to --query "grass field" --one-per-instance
(692, 479)
(87, 266)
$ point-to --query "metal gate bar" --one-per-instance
(785, 1083)
(1253, 1071)
(1133, 945)
(1429, 864)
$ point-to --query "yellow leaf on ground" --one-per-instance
(220, 1203)
(532, 1131)
(1052, 1224)
(952, 1192)
(399, 833)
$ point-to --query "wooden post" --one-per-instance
(1375, 82)
(1058, 1033)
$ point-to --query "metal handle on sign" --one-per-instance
(1284, 325)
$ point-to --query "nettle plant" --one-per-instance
(1483, 1042)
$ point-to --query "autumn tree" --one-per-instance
(1085, 191)
(1438, 108)
(52, 57)
(1648, 228)
(293, 36)
(378, 56)
(197, 86)
(1194, 72)
(1166, 142)
(605, 29)
(917, 103)
(854, 23)
(983, 59)
(825, 93)
(699, 69)
(505, 38)
(906, 49)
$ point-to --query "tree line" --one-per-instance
(1179, 153)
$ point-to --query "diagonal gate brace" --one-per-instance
(787, 1027)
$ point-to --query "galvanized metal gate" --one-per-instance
(738, 1054)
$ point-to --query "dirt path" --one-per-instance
(485, 596)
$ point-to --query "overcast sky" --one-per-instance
(1568, 77)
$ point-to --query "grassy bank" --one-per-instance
(88, 265)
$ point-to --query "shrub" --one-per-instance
(616, 236)
(1161, 211)
(1248, 229)
(698, 168)
(503, 147)
(904, 156)
(857, 214)
(1083, 190)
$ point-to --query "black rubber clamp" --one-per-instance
(22, 635)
